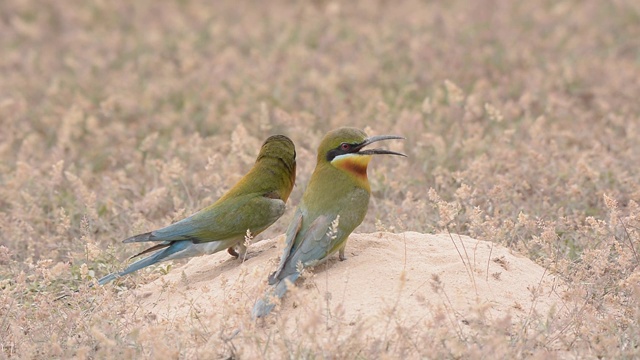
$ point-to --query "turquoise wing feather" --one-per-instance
(221, 221)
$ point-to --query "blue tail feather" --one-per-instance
(264, 306)
(159, 256)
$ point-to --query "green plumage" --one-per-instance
(253, 204)
(337, 194)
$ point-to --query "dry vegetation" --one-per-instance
(522, 122)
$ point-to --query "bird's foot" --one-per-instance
(238, 251)
(233, 252)
(341, 255)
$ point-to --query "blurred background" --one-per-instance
(521, 118)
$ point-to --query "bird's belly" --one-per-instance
(202, 249)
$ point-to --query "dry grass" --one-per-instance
(118, 117)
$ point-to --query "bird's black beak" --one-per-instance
(371, 140)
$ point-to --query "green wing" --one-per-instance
(229, 219)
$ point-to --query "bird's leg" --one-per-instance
(237, 251)
(242, 248)
(233, 252)
(341, 254)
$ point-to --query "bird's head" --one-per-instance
(279, 147)
(343, 148)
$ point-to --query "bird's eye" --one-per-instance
(345, 146)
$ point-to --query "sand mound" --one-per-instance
(420, 274)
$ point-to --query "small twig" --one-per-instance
(403, 275)
(228, 341)
(327, 294)
(635, 254)
(568, 324)
(449, 305)
(6, 314)
(186, 190)
(489, 260)
(467, 267)
(61, 297)
(534, 302)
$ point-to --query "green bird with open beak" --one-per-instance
(253, 204)
(333, 205)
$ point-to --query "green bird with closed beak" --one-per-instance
(253, 204)
(333, 205)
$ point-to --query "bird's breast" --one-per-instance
(354, 165)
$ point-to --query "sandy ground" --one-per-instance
(415, 274)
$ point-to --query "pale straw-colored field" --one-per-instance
(521, 120)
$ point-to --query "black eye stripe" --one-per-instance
(339, 151)
(332, 154)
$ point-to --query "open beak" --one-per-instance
(371, 140)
